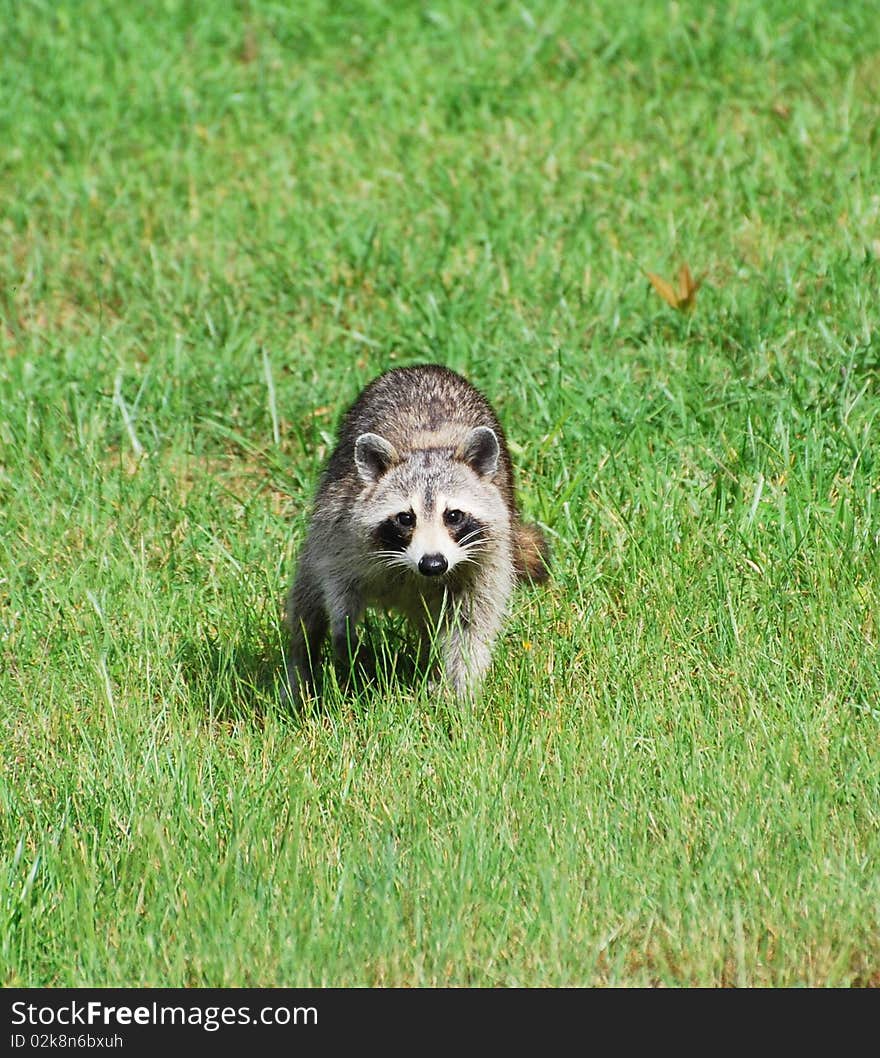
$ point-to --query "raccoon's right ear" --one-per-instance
(480, 450)
(373, 455)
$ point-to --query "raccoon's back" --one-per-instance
(428, 406)
(406, 402)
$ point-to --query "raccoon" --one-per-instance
(415, 512)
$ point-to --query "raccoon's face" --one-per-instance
(434, 511)
(431, 533)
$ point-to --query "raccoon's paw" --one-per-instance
(357, 671)
(297, 686)
(457, 687)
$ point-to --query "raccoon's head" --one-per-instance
(434, 510)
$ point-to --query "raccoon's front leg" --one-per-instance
(346, 608)
(307, 618)
(470, 632)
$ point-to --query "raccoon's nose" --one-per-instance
(433, 565)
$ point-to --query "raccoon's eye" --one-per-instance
(406, 519)
(453, 517)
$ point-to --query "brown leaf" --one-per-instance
(682, 300)
(664, 289)
(687, 289)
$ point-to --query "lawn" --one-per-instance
(218, 222)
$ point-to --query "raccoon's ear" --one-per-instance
(480, 451)
(373, 455)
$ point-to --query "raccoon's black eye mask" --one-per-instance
(394, 535)
(465, 528)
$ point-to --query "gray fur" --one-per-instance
(418, 441)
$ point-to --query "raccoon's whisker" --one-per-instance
(471, 553)
(467, 560)
(467, 555)
(391, 559)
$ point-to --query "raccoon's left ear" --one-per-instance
(373, 455)
(480, 451)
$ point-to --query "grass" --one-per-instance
(218, 222)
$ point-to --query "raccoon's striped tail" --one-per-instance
(531, 554)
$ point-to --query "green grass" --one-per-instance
(218, 222)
